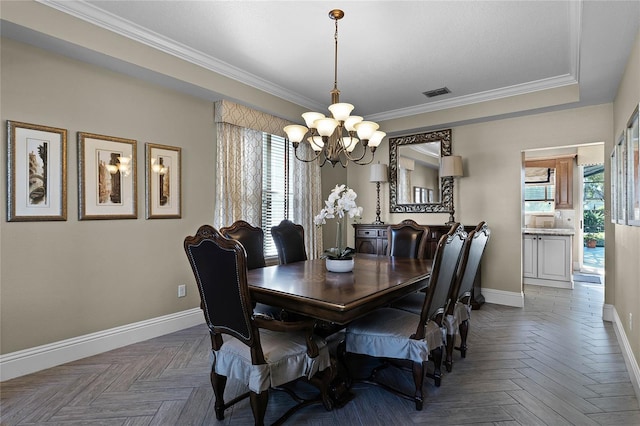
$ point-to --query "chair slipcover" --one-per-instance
(461, 313)
(285, 355)
(385, 333)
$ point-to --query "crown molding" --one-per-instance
(100, 18)
(93, 15)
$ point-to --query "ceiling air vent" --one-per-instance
(436, 92)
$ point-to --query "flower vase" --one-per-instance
(339, 265)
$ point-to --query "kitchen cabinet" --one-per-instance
(564, 183)
(563, 167)
(547, 260)
(372, 239)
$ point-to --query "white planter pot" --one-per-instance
(339, 265)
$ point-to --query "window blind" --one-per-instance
(276, 195)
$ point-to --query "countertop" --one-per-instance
(549, 231)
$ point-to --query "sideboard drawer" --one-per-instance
(367, 233)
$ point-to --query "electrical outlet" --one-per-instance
(182, 290)
(630, 321)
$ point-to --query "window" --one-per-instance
(539, 188)
(539, 198)
(593, 203)
(276, 176)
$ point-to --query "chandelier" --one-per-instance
(341, 138)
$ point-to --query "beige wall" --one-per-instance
(65, 279)
(625, 295)
(491, 188)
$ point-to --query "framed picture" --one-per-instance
(163, 196)
(36, 172)
(621, 181)
(613, 182)
(633, 178)
(107, 183)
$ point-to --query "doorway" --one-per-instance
(593, 219)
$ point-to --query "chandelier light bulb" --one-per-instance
(341, 111)
(311, 117)
(326, 126)
(350, 143)
(295, 132)
(316, 143)
(366, 129)
(376, 139)
(350, 122)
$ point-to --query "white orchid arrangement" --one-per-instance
(340, 204)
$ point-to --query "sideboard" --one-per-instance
(372, 239)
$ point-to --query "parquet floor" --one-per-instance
(555, 362)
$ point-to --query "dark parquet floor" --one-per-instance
(555, 362)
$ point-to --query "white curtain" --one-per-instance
(239, 172)
(238, 175)
(307, 202)
(404, 183)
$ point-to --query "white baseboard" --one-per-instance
(27, 361)
(548, 283)
(501, 297)
(608, 312)
(627, 352)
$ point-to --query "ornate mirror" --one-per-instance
(415, 184)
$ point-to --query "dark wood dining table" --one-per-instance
(307, 287)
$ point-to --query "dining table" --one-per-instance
(336, 298)
(309, 289)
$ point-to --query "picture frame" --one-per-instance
(621, 180)
(613, 182)
(633, 168)
(107, 182)
(163, 196)
(36, 172)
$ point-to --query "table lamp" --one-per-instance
(378, 174)
(451, 166)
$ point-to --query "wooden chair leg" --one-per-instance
(259, 406)
(322, 380)
(464, 331)
(436, 355)
(418, 377)
(218, 383)
(448, 362)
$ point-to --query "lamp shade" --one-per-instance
(451, 166)
(378, 173)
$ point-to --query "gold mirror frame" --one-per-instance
(446, 184)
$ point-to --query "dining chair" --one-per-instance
(259, 351)
(413, 302)
(289, 240)
(398, 337)
(407, 239)
(459, 310)
(252, 239)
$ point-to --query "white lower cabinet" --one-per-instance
(547, 260)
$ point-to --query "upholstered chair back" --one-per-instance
(220, 268)
(251, 238)
(289, 240)
(407, 239)
(472, 255)
(443, 271)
